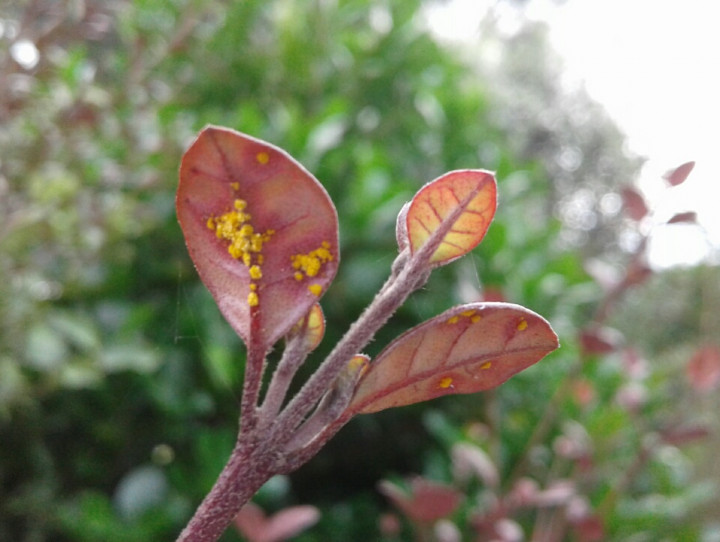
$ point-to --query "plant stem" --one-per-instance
(254, 368)
(246, 471)
(292, 358)
(393, 293)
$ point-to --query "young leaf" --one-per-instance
(453, 212)
(311, 327)
(260, 229)
(678, 175)
(466, 349)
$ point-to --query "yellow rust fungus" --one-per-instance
(522, 324)
(358, 364)
(310, 264)
(486, 365)
(244, 243)
(445, 382)
(471, 314)
(315, 289)
(262, 157)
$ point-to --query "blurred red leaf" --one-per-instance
(583, 391)
(589, 529)
(600, 340)
(260, 229)
(256, 527)
(636, 273)
(466, 349)
(678, 175)
(461, 204)
(427, 502)
(686, 217)
(634, 203)
(389, 525)
(703, 369)
(677, 436)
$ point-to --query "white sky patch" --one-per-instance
(653, 65)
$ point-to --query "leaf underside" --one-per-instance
(466, 349)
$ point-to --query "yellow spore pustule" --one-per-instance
(310, 264)
(244, 243)
(445, 382)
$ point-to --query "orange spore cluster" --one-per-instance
(244, 243)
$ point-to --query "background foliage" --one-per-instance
(119, 378)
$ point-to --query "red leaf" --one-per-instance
(678, 436)
(260, 229)
(457, 206)
(635, 205)
(678, 175)
(703, 369)
(589, 529)
(600, 340)
(688, 217)
(466, 349)
(428, 501)
(256, 527)
(583, 391)
(636, 273)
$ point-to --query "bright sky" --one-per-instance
(654, 66)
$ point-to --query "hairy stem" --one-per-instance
(391, 296)
(254, 368)
(291, 360)
(246, 471)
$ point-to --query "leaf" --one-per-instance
(466, 349)
(312, 328)
(600, 340)
(703, 369)
(634, 203)
(678, 175)
(686, 217)
(256, 527)
(427, 502)
(452, 213)
(261, 230)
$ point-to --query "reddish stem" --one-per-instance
(246, 471)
